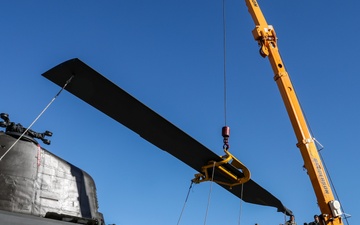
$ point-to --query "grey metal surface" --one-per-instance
(34, 181)
(11, 218)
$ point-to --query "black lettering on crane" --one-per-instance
(321, 176)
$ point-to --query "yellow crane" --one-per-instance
(265, 35)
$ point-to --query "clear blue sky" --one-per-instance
(169, 55)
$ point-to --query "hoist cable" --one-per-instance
(187, 196)
(331, 183)
(224, 46)
(42, 112)
(317, 144)
(209, 197)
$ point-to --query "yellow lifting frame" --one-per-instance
(233, 179)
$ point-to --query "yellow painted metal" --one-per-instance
(265, 35)
(231, 179)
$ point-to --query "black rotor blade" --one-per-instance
(99, 92)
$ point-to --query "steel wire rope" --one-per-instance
(42, 112)
(224, 63)
(241, 197)
(332, 184)
(209, 196)
(317, 144)
(225, 90)
(183, 208)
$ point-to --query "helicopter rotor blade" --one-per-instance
(93, 88)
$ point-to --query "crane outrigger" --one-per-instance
(265, 35)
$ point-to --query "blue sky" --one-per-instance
(169, 55)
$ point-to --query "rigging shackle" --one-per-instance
(226, 134)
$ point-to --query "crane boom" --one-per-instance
(265, 35)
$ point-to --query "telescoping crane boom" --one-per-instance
(265, 35)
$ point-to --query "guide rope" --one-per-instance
(209, 197)
(187, 196)
(42, 112)
(241, 197)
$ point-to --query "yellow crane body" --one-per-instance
(265, 35)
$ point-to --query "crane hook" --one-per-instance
(226, 134)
